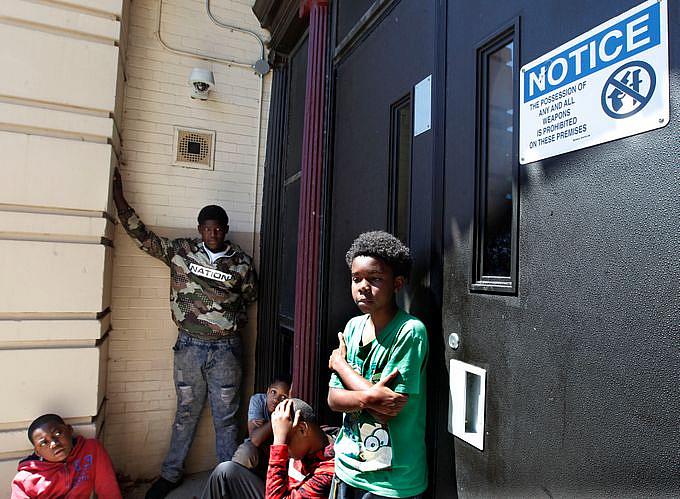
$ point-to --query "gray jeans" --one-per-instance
(201, 368)
(232, 481)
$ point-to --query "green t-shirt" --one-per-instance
(386, 459)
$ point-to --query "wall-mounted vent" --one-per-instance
(194, 148)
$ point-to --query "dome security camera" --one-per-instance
(201, 81)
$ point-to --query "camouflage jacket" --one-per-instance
(207, 300)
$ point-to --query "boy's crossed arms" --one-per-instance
(360, 394)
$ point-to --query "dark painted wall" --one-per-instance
(583, 361)
(297, 70)
(366, 84)
(582, 384)
(279, 216)
(348, 14)
(367, 81)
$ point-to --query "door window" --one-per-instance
(400, 168)
(496, 196)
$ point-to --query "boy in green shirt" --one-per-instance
(379, 380)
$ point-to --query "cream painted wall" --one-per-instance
(141, 397)
(58, 93)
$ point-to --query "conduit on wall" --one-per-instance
(257, 67)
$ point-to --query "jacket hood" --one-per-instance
(33, 463)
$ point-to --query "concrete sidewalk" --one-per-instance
(192, 487)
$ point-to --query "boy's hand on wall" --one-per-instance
(117, 181)
(118, 196)
(339, 355)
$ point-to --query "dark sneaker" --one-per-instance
(161, 488)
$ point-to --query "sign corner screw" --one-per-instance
(661, 120)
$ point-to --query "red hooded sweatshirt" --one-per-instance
(87, 469)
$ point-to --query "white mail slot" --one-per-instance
(467, 403)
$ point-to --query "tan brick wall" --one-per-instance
(141, 398)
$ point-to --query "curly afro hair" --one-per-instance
(386, 247)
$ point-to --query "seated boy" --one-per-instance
(63, 465)
(261, 406)
(379, 379)
(297, 436)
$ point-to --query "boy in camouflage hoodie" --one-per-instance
(212, 282)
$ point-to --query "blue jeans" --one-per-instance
(201, 368)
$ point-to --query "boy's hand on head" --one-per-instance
(283, 420)
(383, 400)
(339, 355)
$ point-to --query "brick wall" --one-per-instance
(141, 398)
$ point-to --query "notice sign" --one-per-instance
(608, 83)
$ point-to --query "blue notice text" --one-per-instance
(634, 34)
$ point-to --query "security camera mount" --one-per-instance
(201, 81)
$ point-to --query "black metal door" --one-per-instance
(290, 194)
(577, 332)
(382, 174)
(274, 354)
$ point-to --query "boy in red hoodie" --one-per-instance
(63, 466)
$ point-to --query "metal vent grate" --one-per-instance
(194, 148)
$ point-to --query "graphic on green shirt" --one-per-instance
(374, 443)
